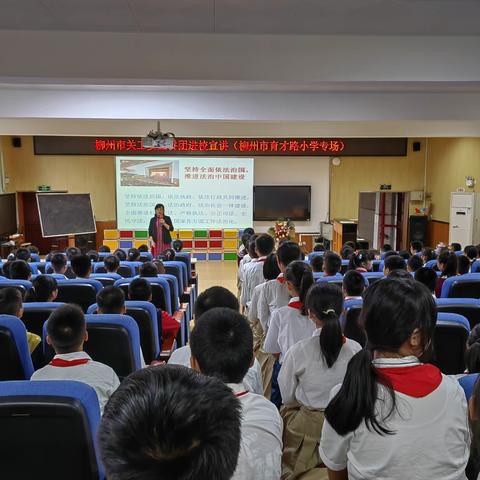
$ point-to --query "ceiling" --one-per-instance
(324, 17)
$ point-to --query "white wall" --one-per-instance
(312, 171)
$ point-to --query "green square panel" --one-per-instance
(200, 234)
(230, 256)
(141, 234)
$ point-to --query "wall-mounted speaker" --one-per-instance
(417, 146)
(16, 142)
(418, 228)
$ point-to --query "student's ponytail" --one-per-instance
(325, 301)
(300, 275)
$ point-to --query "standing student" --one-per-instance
(332, 264)
(447, 263)
(264, 245)
(245, 263)
(289, 324)
(66, 333)
(221, 345)
(395, 417)
(218, 297)
(360, 261)
(310, 369)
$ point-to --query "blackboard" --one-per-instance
(65, 214)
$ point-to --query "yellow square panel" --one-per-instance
(111, 234)
(113, 244)
(138, 243)
(230, 233)
(230, 244)
(185, 234)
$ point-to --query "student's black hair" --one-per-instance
(23, 254)
(392, 310)
(416, 246)
(288, 252)
(463, 265)
(33, 249)
(316, 262)
(19, 270)
(143, 248)
(139, 289)
(270, 267)
(450, 263)
(456, 247)
(81, 265)
(58, 261)
(325, 301)
(386, 247)
(10, 301)
(104, 249)
(353, 283)
(428, 277)
(358, 260)
(111, 263)
(66, 328)
(215, 297)
(249, 231)
(318, 248)
(42, 288)
(148, 269)
(400, 273)
(122, 256)
(222, 344)
(390, 253)
(160, 266)
(349, 244)
(346, 253)
(251, 246)
(332, 263)
(415, 262)
(471, 252)
(264, 244)
(168, 255)
(300, 275)
(93, 255)
(6, 268)
(133, 255)
(472, 353)
(428, 254)
(72, 252)
(405, 254)
(169, 422)
(245, 239)
(177, 245)
(111, 300)
(395, 262)
(160, 205)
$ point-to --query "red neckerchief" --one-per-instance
(241, 394)
(416, 381)
(361, 270)
(298, 305)
(344, 339)
(60, 362)
(281, 278)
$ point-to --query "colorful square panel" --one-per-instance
(112, 244)
(185, 234)
(230, 244)
(230, 233)
(126, 244)
(126, 233)
(111, 234)
(200, 244)
(216, 244)
(215, 233)
(215, 256)
(141, 234)
(230, 256)
(200, 255)
(200, 234)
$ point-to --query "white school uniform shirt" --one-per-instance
(253, 379)
(274, 295)
(260, 455)
(101, 377)
(287, 327)
(253, 308)
(253, 276)
(242, 265)
(305, 376)
(431, 439)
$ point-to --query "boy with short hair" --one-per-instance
(416, 246)
(221, 345)
(316, 262)
(81, 266)
(148, 269)
(332, 264)
(20, 270)
(414, 263)
(353, 285)
(23, 254)
(58, 261)
(169, 423)
(428, 277)
(112, 263)
(111, 300)
(392, 263)
(66, 333)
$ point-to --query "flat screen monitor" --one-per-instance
(8, 214)
(282, 202)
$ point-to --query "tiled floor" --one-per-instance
(217, 273)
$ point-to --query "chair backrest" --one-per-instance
(179, 269)
(146, 257)
(336, 279)
(475, 266)
(23, 285)
(186, 258)
(145, 314)
(33, 268)
(468, 307)
(462, 286)
(376, 265)
(106, 279)
(35, 257)
(160, 291)
(80, 291)
(344, 266)
(36, 313)
(431, 263)
(112, 339)
(450, 339)
(49, 430)
(350, 321)
(15, 360)
(372, 277)
(467, 382)
(41, 266)
(174, 290)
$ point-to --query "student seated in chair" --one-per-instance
(81, 266)
(428, 277)
(148, 269)
(221, 345)
(112, 263)
(215, 297)
(332, 264)
(414, 263)
(19, 270)
(66, 333)
(104, 249)
(416, 247)
(93, 255)
(392, 263)
(353, 285)
(316, 263)
(168, 423)
(44, 289)
(23, 254)
(58, 262)
(72, 252)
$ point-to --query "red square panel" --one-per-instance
(200, 244)
(216, 243)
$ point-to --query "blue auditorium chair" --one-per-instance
(36, 313)
(467, 382)
(350, 321)
(475, 266)
(23, 285)
(145, 314)
(468, 307)
(49, 431)
(15, 360)
(462, 286)
(112, 339)
(431, 264)
(106, 279)
(373, 277)
(450, 340)
(80, 291)
(146, 257)
(336, 279)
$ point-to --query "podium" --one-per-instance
(344, 230)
